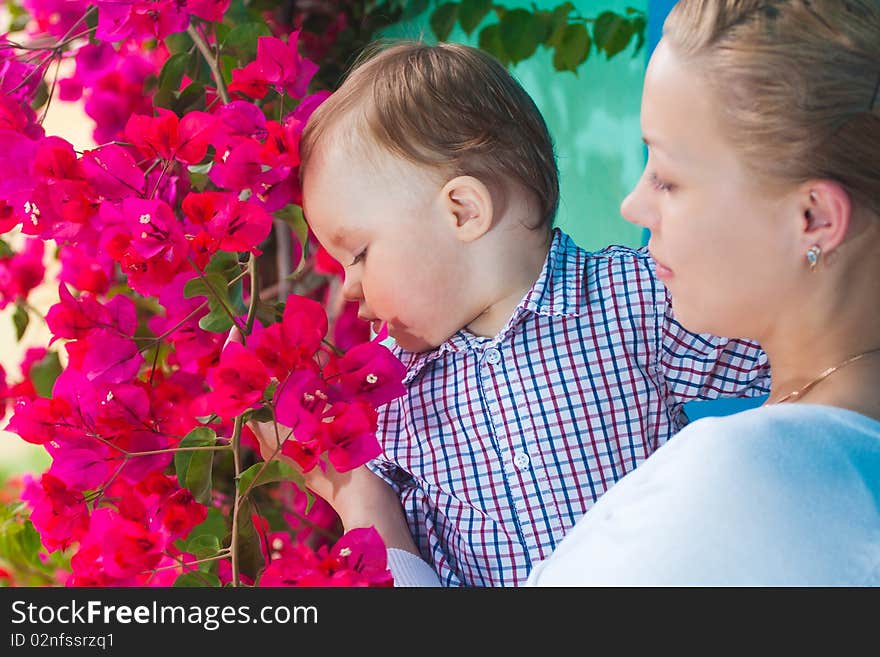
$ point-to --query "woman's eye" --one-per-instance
(660, 185)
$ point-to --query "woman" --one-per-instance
(762, 195)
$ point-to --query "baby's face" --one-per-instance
(382, 218)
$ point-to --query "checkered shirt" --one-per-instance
(502, 443)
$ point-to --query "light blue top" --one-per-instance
(785, 495)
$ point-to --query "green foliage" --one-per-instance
(266, 473)
(20, 549)
(193, 468)
(44, 372)
(520, 32)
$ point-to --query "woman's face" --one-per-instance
(723, 245)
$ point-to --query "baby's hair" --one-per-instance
(449, 107)
(797, 83)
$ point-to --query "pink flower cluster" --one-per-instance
(143, 251)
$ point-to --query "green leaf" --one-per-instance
(573, 48)
(214, 286)
(164, 98)
(197, 579)
(172, 72)
(214, 525)
(276, 470)
(44, 372)
(558, 23)
(203, 546)
(6, 250)
(190, 99)
(490, 41)
(241, 42)
(520, 34)
(21, 319)
(249, 548)
(413, 8)
(471, 13)
(193, 468)
(611, 33)
(443, 20)
(178, 42)
(639, 25)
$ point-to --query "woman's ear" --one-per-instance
(469, 204)
(827, 211)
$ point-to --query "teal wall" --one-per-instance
(593, 117)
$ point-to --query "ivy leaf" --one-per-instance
(443, 20)
(44, 372)
(573, 48)
(21, 319)
(520, 34)
(275, 470)
(471, 13)
(490, 41)
(611, 33)
(193, 469)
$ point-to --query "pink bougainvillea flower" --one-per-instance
(249, 81)
(85, 267)
(55, 17)
(110, 358)
(240, 226)
(59, 514)
(180, 512)
(113, 172)
(357, 559)
(82, 465)
(238, 382)
(300, 402)
(167, 137)
(21, 272)
(40, 420)
(368, 371)
(143, 19)
(75, 317)
(208, 10)
(180, 324)
(348, 329)
(126, 548)
(240, 167)
(350, 439)
(283, 67)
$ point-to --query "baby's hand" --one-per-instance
(270, 435)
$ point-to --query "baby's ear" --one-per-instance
(469, 204)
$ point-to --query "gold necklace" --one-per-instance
(800, 392)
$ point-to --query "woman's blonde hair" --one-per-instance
(797, 82)
(448, 107)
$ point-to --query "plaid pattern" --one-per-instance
(502, 443)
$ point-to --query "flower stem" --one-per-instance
(203, 47)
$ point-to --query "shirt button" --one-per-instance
(493, 356)
(521, 460)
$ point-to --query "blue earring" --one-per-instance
(813, 254)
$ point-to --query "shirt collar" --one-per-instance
(556, 292)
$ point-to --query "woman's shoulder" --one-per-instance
(768, 496)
